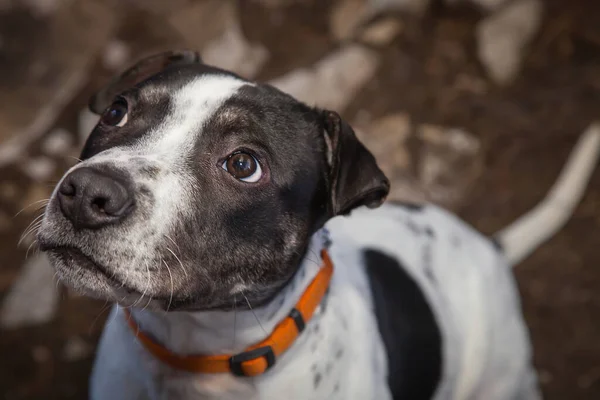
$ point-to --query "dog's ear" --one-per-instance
(354, 177)
(139, 72)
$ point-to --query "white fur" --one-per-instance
(486, 351)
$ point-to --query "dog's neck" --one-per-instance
(230, 332)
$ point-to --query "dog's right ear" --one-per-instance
(139, 72)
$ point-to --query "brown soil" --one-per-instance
(430, 72)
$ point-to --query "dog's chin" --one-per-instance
(85, 276)
(80, 273)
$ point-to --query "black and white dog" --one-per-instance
(201, 207)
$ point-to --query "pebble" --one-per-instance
(58, 142)
(39, 169)
(334, 80)
(33, 298)
(503, 36)
(76, 349)
(86, 122)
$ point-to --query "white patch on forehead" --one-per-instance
(192, 106)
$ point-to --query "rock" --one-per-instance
(502, 38)
(76, 349)
(346, 16)
(116, 54)
(387, 139)
(33, 298)
(489, 5)
(203, 21)
(86, 122)
(39, 169)
(382, 33)
(333, 81)
(58, 142)
(417, 7)
(40, 82)
(231, 51)
(449, 163)
(42, 8)
(278, 3)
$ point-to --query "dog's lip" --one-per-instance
(82, 259)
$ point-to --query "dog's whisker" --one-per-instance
(34, 243)
(45, 201)
(234, 321)
(178, 260)
(35, 221)
(172, 241)
(135, 303)
(147, 303)
(33, 227)
(75, 158)
(32, 224)
(255, 316)
(105, 306)
(171, 277)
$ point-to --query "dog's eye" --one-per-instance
(116, 114)
(243, 166)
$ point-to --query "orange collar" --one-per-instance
(259, 357)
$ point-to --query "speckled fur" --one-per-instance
(340, 355)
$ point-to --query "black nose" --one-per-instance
(92, 199)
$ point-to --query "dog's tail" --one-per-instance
(525, 234)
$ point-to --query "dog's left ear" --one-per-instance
(354, 178)
(139, 72)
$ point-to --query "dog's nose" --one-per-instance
(92, 199)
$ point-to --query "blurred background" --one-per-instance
(473, 105)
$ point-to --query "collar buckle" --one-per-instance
(252, 362)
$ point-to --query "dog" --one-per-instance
(245, 239)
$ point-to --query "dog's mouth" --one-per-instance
(81, 271)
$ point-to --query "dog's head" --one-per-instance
(197, 185)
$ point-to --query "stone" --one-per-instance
(387, 138)
(58, 142)
(503, 36)
(278, 3)
(382, 33)
(417, 7)
(86, 122)
(489, 5)
(346, 16)
(115, 56)
(39, 169)
(231, 51)
(334, 80)
(40, 82)
(201, 22)
(42, 8)
(450, 161)
(33, 299)
(76, 349)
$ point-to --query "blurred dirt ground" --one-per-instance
(53, 54)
